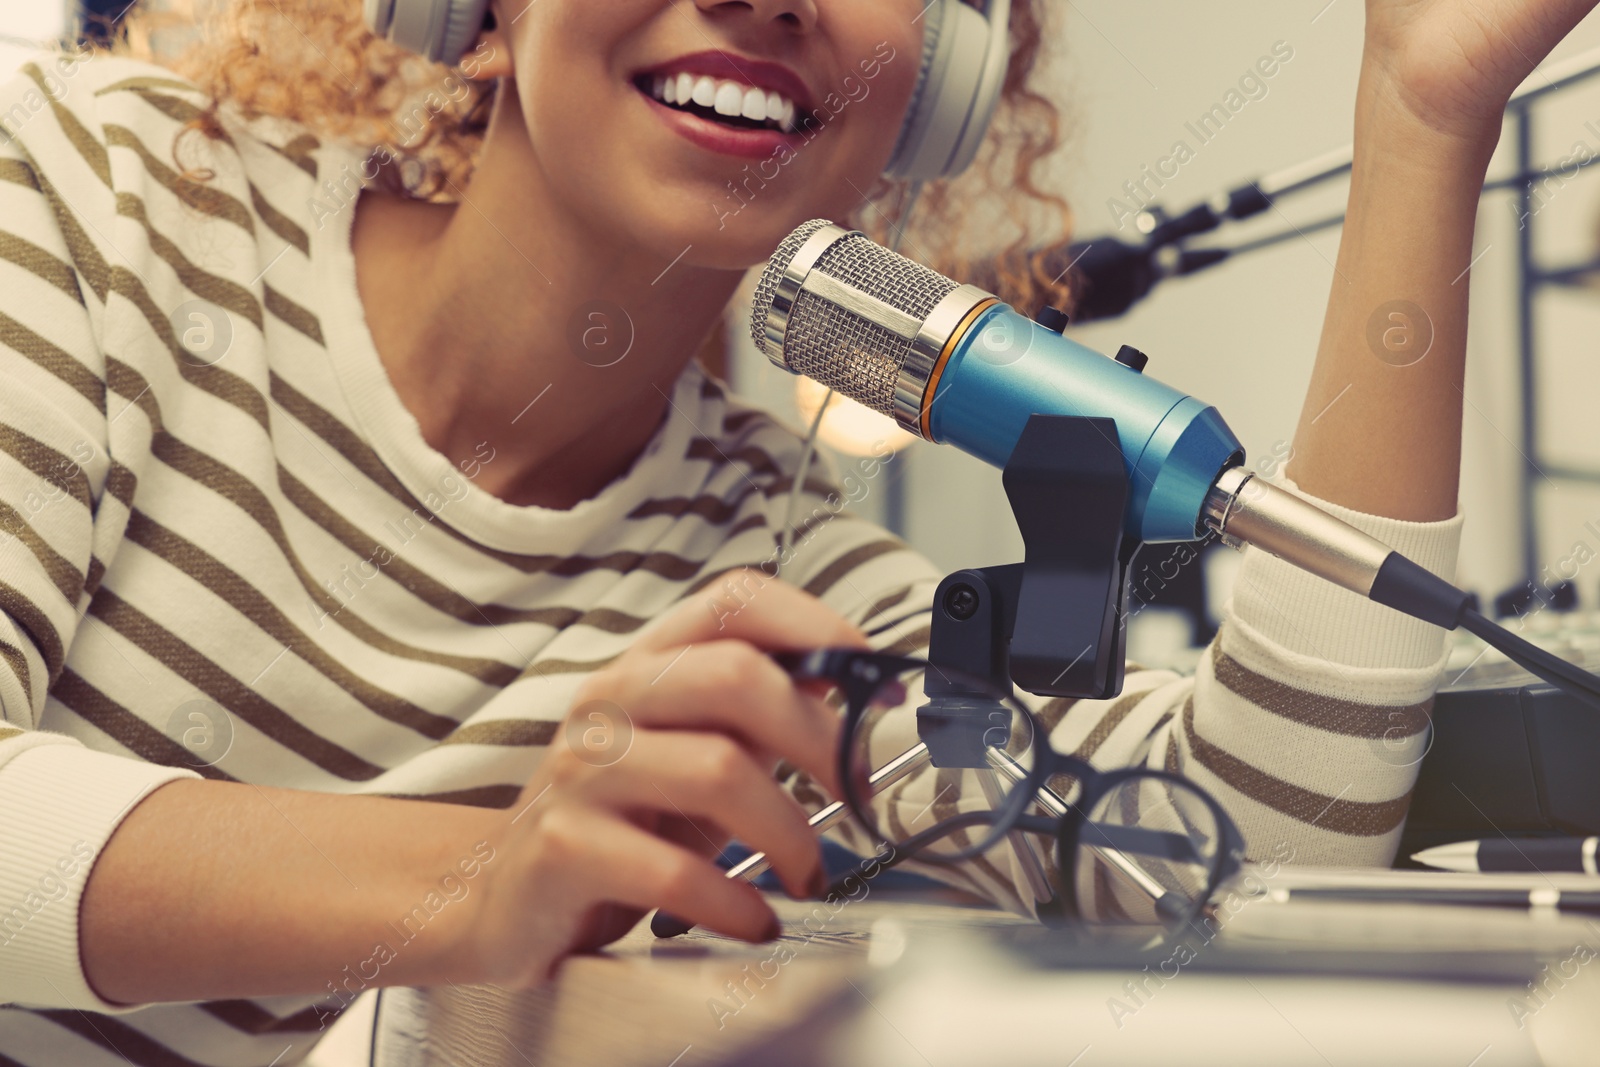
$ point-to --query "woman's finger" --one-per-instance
(708, 777)
(731, 687)
(607, 859)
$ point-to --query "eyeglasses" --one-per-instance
(973, 770)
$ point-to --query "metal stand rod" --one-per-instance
(756, 864)
(1033, 871)
(1129, 871)
(1528, 473)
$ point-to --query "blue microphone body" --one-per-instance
(1008, 367)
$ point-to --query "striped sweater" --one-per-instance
(226, 551)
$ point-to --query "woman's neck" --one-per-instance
(502, 318)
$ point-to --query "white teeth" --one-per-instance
(729, 99)
(725, 98)
(754, 105)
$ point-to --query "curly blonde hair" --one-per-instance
(315, 63)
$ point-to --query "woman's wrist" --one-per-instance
(1388, 124)
(449, 896)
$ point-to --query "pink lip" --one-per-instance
(715, 137)
(753, 72)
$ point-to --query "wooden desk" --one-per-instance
(690, 1001)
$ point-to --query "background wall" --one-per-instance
(1243, 335)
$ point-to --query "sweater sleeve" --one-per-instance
(1306, 719)
(1310, 713)
(59, 801)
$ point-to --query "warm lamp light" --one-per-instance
(848, 426)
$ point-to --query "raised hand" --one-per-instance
(1452, 64)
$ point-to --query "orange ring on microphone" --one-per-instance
(956, 335)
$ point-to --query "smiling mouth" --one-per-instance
(727, 103)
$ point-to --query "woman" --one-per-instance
(391, 550)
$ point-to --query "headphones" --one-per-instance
(962, 69)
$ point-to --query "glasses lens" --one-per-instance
(1149, 849)
(982, 746)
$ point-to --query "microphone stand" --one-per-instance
(1053, 624)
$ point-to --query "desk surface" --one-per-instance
(704, 999)
(692, 1000)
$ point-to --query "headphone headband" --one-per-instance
(959, 80)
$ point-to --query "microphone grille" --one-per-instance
(767, 287)
(837, 345)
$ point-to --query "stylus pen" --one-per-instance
(1526, 854)
(1542, 897)
(756, 864)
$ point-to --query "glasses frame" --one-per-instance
(859, 674)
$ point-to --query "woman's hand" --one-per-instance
(696, 715)
(1453, 64)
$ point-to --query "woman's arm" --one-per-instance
(1381, 428)
(1379, 433)
(212, 890)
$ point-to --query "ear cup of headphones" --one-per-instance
(441, 30)
(958, 86)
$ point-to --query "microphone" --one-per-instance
(951, 363)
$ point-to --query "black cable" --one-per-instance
(1406, 586)
(1565, 676)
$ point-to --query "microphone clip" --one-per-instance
(1055, 623)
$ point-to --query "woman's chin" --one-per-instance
(726, 252)
(735, 243)
(694, 216)
(743, 252)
